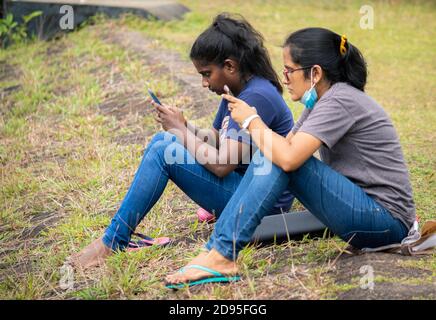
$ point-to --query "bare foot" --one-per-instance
(212, 260)
(92, 255)
(198, 258)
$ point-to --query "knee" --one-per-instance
(259, 160)
(312, 164)
(160, 146)
(168, 151)
(157, 137)
(257, 157)
(263, 166)
(160, 139)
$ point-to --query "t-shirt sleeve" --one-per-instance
(264, 109)
(300, 121)
(329, 121)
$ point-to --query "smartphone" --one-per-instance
(153, 96)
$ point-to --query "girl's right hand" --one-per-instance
(239, 109)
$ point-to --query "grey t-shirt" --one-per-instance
(360, 142)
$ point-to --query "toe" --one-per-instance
(174, 278)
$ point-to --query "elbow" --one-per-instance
(220, 172)
(288, 165)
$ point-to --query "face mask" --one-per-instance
(310, 97)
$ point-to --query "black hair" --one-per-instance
(231, 37)
(320, 46)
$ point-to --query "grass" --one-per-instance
(62, 169)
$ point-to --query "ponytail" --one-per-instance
(235, 38)
(339, 59)
(353, 69)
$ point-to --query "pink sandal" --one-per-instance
(146, 241)
(205, 216)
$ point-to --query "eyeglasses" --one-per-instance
(288, 70)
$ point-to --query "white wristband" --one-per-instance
(247, 121)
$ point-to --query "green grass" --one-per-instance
(59, 155)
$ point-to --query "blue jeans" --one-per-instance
(336, 201)
(199, 184)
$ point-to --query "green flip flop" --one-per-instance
(216, 277)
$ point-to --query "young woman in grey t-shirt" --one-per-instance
(360, 190)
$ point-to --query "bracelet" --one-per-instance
(247, 121)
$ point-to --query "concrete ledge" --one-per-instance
(290, 225)
(47, 25)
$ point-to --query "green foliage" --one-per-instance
(13, 32)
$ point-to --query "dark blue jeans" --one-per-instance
(165, 158)
(340, 204)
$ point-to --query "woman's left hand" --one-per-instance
(239, 109)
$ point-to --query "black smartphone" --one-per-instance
(153, 96)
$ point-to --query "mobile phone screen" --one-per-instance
(153, 96)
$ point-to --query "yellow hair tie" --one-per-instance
(342, 48)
